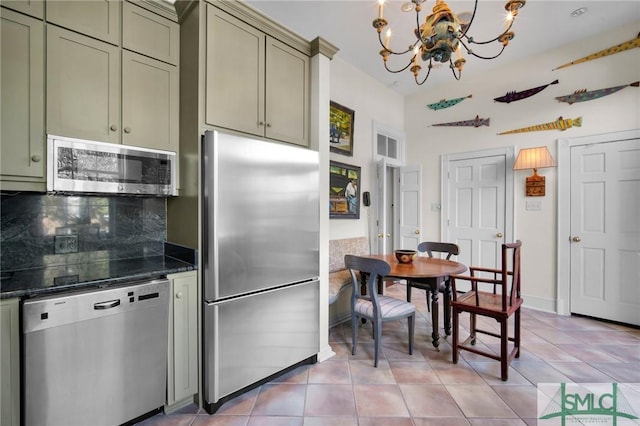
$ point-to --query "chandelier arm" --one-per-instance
(399, 70)
(391, 51)
(488, 57)
(420, 83)
(453, 70)
(473, 15)
(493, 39)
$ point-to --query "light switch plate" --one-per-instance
(534, 204)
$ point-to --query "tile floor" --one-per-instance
(426, 388)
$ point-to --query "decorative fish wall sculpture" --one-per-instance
(446, 103)
(476, 122)
(583, 95)
(630, 44)
(559, 124)
(516, 96)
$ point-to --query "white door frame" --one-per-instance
(563, 280)
(508, 152)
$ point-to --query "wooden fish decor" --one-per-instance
(559, 124)
(446, 103)
(476, 122)
(630, 44)
(516, 96)
(583, 95)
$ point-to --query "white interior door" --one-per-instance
(605, 230)
(409, 207)
(477, 207)
(380, 204)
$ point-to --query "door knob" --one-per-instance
(417, 232)
(388, 235)
(179, 295)
(576, 239)
(380, 235)
(499, 235)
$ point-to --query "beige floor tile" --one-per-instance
(440, 421)
(450, 373)
(331, 421)
(480, 401)
(363, 372)
(430, 401)
(490, 372)
(297, 375)
(385, 421)
(580, 372)
(219, 420)
(497, 422)
(275, 421)
(329, 400)
(522, 399)
(623, 372)
(379, 401)
(413, 372)
(331, 371)
(240, 405)
(280, 400)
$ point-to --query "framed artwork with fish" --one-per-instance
(341, 129)
(344, 191)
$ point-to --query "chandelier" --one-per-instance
(442, 33)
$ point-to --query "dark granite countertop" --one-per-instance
(98, 273)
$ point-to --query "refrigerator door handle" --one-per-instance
(210, 216)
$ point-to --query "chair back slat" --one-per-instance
(432, 246)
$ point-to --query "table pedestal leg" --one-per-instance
(435, 335)
(447, 308)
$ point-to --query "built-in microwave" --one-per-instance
(77, 165)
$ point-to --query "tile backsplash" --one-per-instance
(44, 230)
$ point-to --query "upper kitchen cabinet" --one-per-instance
(150, 34)
(254, 83)
(83, 86)
(98, 18)
(33, 8)
(150, 99)
(125, 94)
(22, 139)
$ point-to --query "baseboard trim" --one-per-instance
(540, 303)
(325, 353)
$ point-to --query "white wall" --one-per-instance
(371, 102)
(537, 229)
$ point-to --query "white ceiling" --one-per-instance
(541, 25)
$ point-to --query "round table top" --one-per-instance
(421, 267)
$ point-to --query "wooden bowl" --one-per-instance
(405, 256)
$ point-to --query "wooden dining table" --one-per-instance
(426, 270)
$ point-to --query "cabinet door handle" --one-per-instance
(113, 128)
(179, 295)
(260, 123)
(36, 158)
(268, 124)
(127, 130)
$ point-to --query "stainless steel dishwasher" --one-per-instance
(95, 357)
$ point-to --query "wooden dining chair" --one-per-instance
(431, 247)
(500, 302)
(373, 306)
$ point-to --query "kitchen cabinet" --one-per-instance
(182, 371)
(22, 139)
(97, 19)
(87, 99)
(255, 83)
(150, 34)
(9, 362)
(83, 86)
(33, 8)
(150, 100)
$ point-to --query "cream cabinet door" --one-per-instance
(22, 138)
(234, 74)
(9, 362)
(95, 18)
(150, 34)
(33, 8)
(83, 87)
(182, 380)
(287, 94)
(150, 101)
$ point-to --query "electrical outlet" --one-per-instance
(64, 244)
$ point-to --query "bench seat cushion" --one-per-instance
(337, 281)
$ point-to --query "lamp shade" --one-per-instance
(534, 158)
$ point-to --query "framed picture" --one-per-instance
(344, 191)
(341, 129)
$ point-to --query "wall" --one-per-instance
(620, 111)
(372, 102)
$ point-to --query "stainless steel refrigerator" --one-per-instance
(260, 262)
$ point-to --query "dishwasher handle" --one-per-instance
(106, 305)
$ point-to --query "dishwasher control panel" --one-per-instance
(64, 308)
